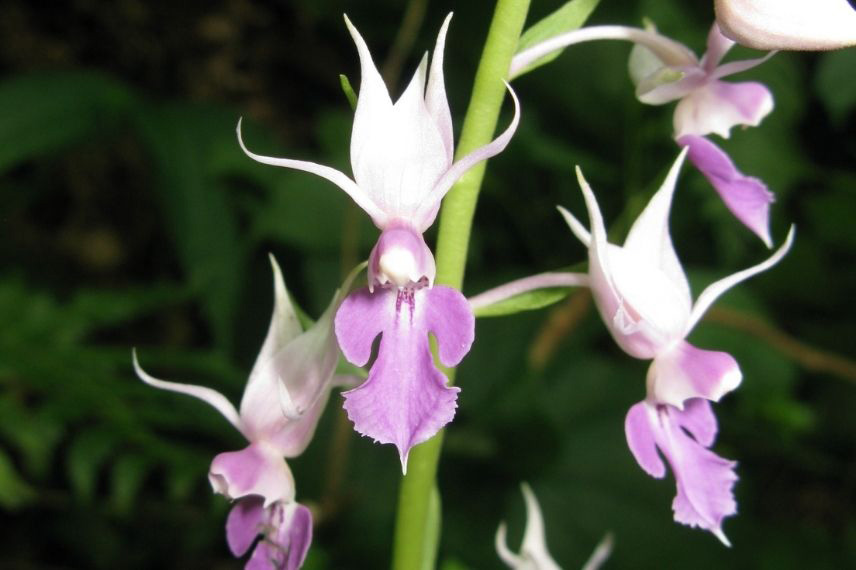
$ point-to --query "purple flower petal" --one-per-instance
(747, 197)
(244, 524)
(287, 530)
(704, 480)
(405, 400)
(255, 470)
(685, 372)
(718, 106)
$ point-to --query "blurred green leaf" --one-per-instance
(14, 491)
(569, 17)
(46, 111)
(89, 451)
(834, 85)
(127, 477)
(185, 142)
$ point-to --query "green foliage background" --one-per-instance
(130, 218)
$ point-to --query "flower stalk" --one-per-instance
(412, 549)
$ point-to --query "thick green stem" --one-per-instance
(412, 549)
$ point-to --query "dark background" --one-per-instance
(130, 217)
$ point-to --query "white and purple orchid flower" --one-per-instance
(707, 105)
(287, 390)
(665, 70)
(402, 159)
(533, 553)
(643, 296)
(788, 24)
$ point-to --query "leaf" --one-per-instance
(529, 301)
(186, 142)
(349, 91)
(534, 299)
(14, 491)
(834, 83)
(126, 480)
(569, 17)
(46, 111)
(85, 457)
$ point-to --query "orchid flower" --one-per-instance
(706, 106)
(788, 24)
(287, 390)
(533, 552)
(643, 296)
(402, 158)
(665, 70)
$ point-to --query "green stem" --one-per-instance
(412, 548)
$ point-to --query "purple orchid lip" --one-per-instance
(704, 480)
(285, 529)
(405, 400)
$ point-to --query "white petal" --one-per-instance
(336, 177)
(511, 560)
(435, 94)
(577, 228)
(427, 210)
(713, 291)
(212, 397)
(397, 151)
(667, 50)
(534, 538)
(788, 24)
(649, 239)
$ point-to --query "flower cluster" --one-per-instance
(403, 162)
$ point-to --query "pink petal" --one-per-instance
(255, 470)
(299, 537)
(718, 106)
(400, 258)
(244, 524)
(640, 439)
(287, 533)
(684, 372)
(788, 24)
(704, 480)
(291, 379)
(717, 46)
(747, 197)
(405, 400)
